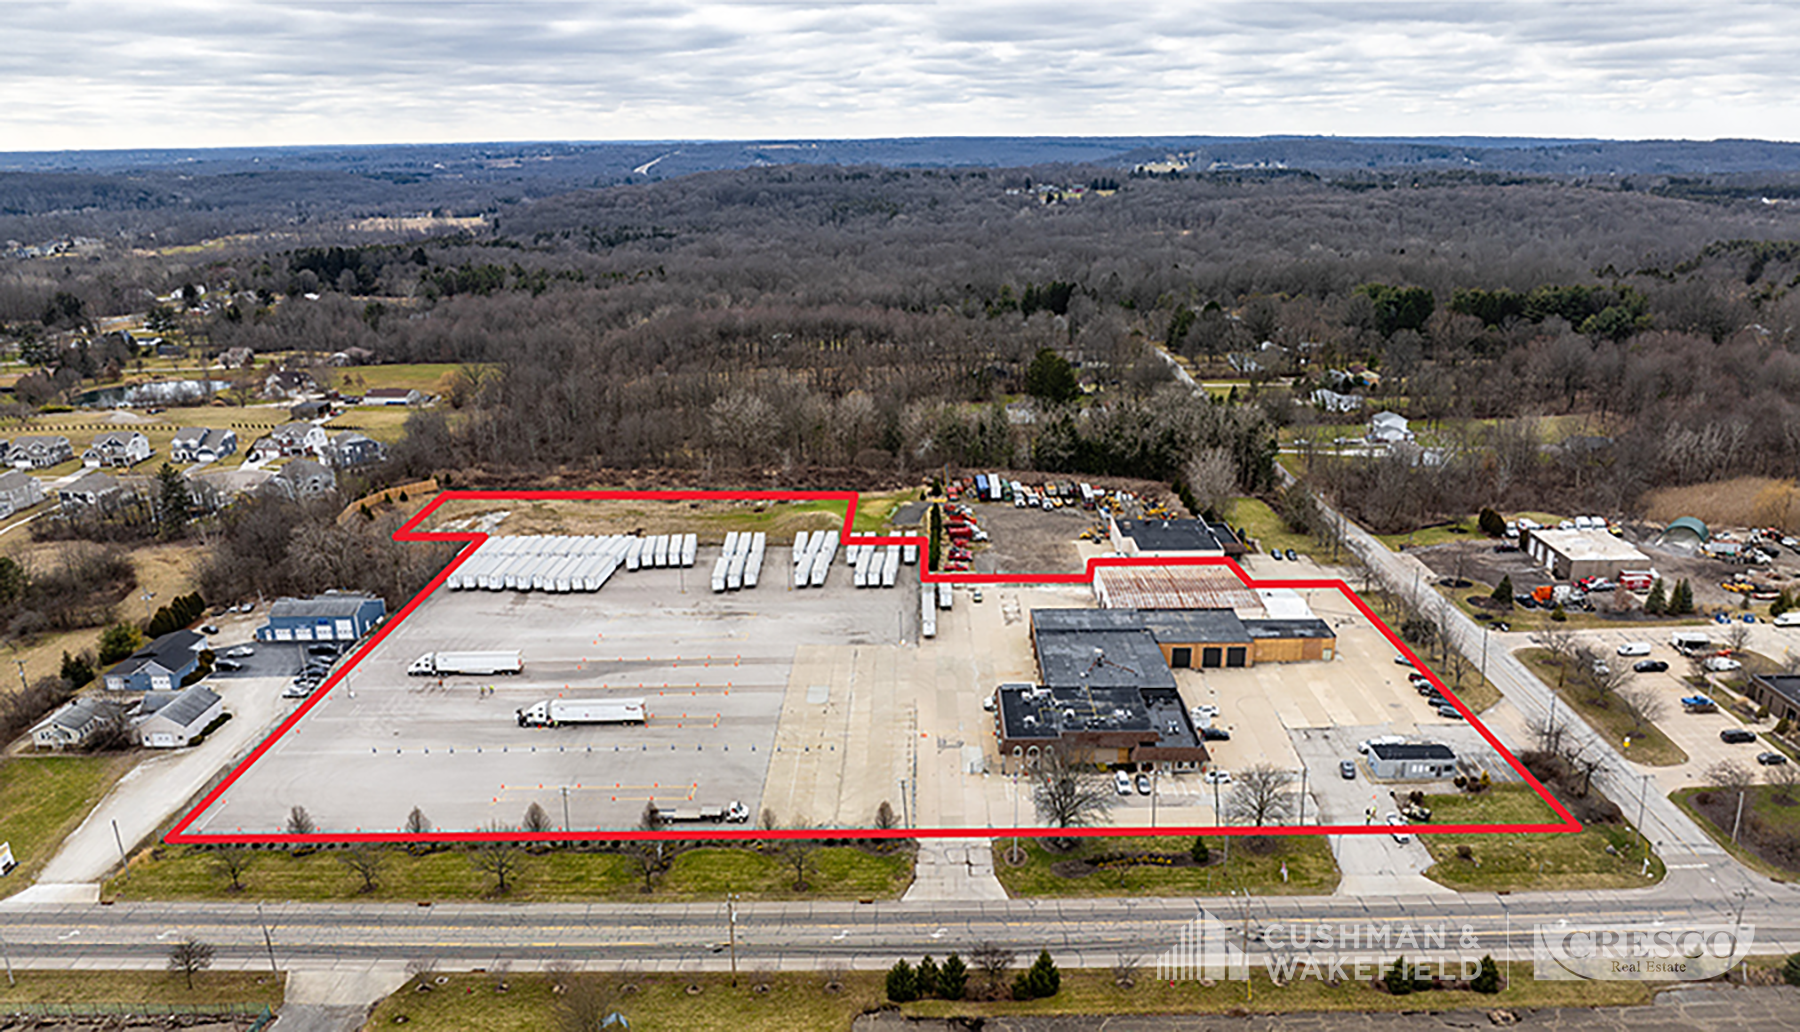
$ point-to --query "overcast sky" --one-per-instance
(92, 74)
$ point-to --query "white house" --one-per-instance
(1332, 401)
(202, 444)
(124, 448)
(38, 451)
(89, 490)
(393, 396)
(169, 720)
(18, 490)
(73, 724)
(291, 439)
(1388, 427)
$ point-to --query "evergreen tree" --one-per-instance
(1503, 591)
(1040, 982)
(1398, 978)
(1657, 602)
(1682, 602)
(76, 670)
(119, 641)
(1051, 378)
(902, 986)
(1488, 980)
(926, 978)
(953, 978)
(174, 505)
(1491, 523)
(1199, 852)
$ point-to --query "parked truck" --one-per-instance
(557, 712)
(440, 664)
(736, 813)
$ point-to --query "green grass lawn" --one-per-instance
(211, 988)
(1424, 537)
(42, 799)
(1267, 528)
(1649, 746)
(1760, 801)
(180, 872)
(423, 376)
(708, 1002)
(1520, 863)
(1311, 870)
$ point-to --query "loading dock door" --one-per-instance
(1234, 656)
(1211, 656)
(1181, 656)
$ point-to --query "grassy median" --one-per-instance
(160, 988)
(190, 873)
(1164, 866)
(1596, 857)
(43, 799)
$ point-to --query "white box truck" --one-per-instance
(736, 813)
(557, 712)
(438, 664)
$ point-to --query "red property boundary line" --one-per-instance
(473, 540)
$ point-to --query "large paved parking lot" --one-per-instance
(714, 670)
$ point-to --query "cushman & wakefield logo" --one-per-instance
(1638, 953)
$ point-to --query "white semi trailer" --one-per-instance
(438, 664)
(557, 712)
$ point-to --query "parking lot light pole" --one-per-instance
(1304, 772)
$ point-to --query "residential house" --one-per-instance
(1388, 427)
(352, 356)
(124, 448)
(39, 450)
(237, 358)
(90, 489)
(304, 478)
(289, 383)
(18, 490)
(333, 616)
(202, 444)
(393, 396)
(1332, 401)
(306, 410)
(290, 439)
(349, 448)
(170, 720)
(74, 724)
(158, 666)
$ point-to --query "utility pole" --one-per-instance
(121, 844)
(1642, 790)
(1304, 772)
(731, 920)
(565, 795)
(1739, 819)
(268, 940)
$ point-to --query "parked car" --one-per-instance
(1275, 553)
(1635, 648)
(1447, 710)
(1771, 759)
(1204, 711)
(1293, 557)
(1347, 770)
(322, 650)
(1214, 734)
(1649, 666)
(1218, 777)
(989, 703)
(239, 652)
(1502, 625)
(1143, 784)
(1121, 782)
(1721, 664)
(1737, 736)
(227, 664)
(1394, 820)
(975, 594)
(209, 629)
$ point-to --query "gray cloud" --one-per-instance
(107, 73)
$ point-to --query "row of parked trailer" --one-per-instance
(565, 563)
(740, 564)
(813, 552)
(933, 597)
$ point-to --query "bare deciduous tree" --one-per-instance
(1260, 795)
(1212, 477)
(1644, 703)
(366, 860)
(1783, 778)
(1561, 644)
(232, 862)
(189, 957)
(1729, 775)
(1069, 791)
(993, 961)
(500, 857)
(800, 855)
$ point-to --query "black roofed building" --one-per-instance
(1779, 692)
(1134, 537)
(158, 666)
(1107, 725)
(1412, 761)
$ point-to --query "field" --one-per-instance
(1767, 816)
(706, 1002)
(712, 520)
(1524, 863)
(158, 988)
(1738, 502)
(181, 872)
(1306, 858)
(1264, 526)
(43, 798)
(166, 570)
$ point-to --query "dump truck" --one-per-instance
(440, 664)
(558, 712)
(736, 813)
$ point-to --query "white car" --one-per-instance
(1122, 782)
(1396, 821)
(1635, 648)
(241, 651)
(1218, 777)
(1721, 664)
